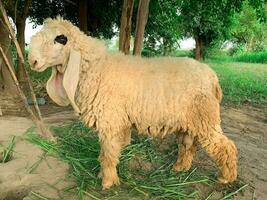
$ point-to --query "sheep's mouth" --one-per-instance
(55, 87)
(59, 74)
(58, 71)
(37, 68)
(58, 80)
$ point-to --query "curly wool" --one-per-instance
(157, 96)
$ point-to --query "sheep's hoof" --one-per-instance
(177, 167)
(223, 180)
(229, 178)
(108, 183)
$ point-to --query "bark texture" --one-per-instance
(83, 22)
(20, 24)
(6, 82)
(142, 15)
(125, 26)
(199, 51)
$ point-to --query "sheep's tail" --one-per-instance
(218, 91)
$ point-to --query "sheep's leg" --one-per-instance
(111, 146)
(224, 152)
(187, 150)
(109, 158)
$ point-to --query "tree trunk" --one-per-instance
(165, 47)
(83, 23)
(5, 41)
(250, 44)
(199, 51)
(142, 15)
(20, 21)
(10, 102)
(20, 24)
(125, 27)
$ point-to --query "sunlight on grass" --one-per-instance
(253, 57)
(145, 172)
(242, 83)
(246, 57)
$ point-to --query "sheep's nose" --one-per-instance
(32, 61)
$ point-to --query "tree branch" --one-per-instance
(26, 8)
(71, 2)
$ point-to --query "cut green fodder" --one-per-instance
(7, 152)
(37, 195)
(144, 170)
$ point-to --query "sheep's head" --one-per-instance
(48, 48)
(51, 48)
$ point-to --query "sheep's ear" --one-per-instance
(61, 87)
(55, 88)
(71, 77)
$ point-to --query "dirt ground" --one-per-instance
(247, 126)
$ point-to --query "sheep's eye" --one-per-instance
(61, 39)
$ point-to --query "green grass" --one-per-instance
(150, 177)
(242, 83)
(257, 57)
(223, 56)
(183, 53)
(247, 57)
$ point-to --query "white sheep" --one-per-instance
(114, 92)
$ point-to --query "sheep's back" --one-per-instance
(156, 93)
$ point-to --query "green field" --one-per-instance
(246, 57)
(242, 83)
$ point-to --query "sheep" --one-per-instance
(114, 92)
